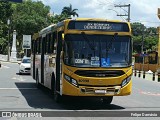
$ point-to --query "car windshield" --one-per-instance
(26, 61)
(83, 50)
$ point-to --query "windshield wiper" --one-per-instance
(110, 43)
(88, 41)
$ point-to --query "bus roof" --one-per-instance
(94, 19)
(54, 26)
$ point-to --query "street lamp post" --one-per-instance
(142, 47)
(8, 23)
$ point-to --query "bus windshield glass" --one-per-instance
(81, 50)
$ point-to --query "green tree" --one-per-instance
(57, 18)
(137, 28)
(5, 14)
(149, 36)
(29, 17)
(69, 11)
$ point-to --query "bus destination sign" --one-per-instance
(100, 26)
(97, 26)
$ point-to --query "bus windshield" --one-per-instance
(97, 50)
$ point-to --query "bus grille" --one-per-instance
(100, 73)
(106, 90)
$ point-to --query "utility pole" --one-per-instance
(126, 11)
(142, 47)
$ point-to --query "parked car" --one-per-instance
(25, 65)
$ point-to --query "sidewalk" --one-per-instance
(148, 75)
(4, 58)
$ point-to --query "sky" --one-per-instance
(144, 11)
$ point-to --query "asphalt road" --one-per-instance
(19, 93)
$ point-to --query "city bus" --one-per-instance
(84, 57)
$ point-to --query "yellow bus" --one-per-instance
(84, 57)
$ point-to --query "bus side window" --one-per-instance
(46, 43)
(54, 42)
(54, 47)
(49, 43)
(40, 45)
(37, 47)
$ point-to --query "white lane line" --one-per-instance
(3, 66)
(19, 78)
(18, 88)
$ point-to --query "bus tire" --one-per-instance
(52, 83)
(37, 80)
(56, 95)
(107, 100)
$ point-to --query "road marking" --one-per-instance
(147, 93)
(20, 78)
(18, 88)
(150, 93)
(3, 66)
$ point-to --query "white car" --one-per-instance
(25, 65)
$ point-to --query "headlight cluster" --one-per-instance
(71, 80)
(126, 81)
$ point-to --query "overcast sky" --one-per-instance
(144, 11)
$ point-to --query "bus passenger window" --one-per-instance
(53, 43)
(46, 44)
(54, 48)
(49, 43)
(37, 46)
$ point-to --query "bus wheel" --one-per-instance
(37, 80)
(57, 96)
(107, 100)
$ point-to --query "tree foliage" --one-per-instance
(27, 17)
(143, 35)
(5, 13)
(69, 11)
(66, 13)
(30, 17)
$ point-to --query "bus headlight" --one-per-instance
(67, 78)
(71, 80)
(126, 81)
(74, 82)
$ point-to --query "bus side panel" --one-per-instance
(42, 62)
(32, 68)
(38, 67)
(48, 70)
(58, 64)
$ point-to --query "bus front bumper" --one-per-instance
(97, 91)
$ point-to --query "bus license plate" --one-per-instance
(100, 91)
